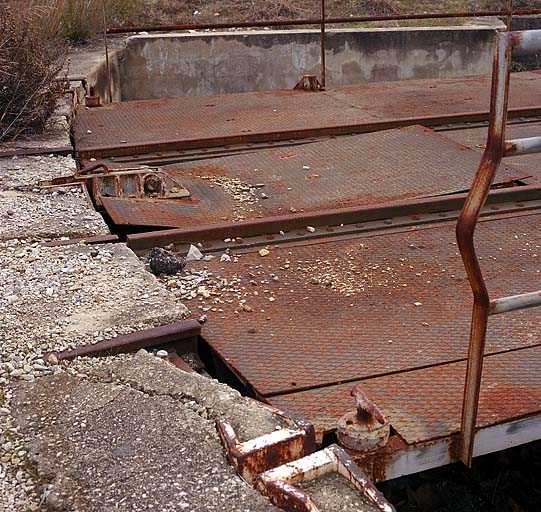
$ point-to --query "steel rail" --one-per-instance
(328, 218)
(496, 148)
(320, 20)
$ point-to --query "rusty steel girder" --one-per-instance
(278, 484)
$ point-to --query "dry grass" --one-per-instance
(31, 56)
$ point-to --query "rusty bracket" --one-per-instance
(140, 182)
(250, 458)
(186, 330)
(278, 484)
(366, 429)
(309, 83)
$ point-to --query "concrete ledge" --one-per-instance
(171, 65)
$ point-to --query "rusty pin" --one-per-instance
(366, 429)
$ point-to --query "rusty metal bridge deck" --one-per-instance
(303, 324)
(153, 125)
(352, 170)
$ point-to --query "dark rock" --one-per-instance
(165, 262)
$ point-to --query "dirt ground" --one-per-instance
(198, 11)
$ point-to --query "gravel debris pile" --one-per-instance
(202, 285)
(62, 214)
(349, 275)
(25, 173)
(242, 193)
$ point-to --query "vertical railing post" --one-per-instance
(322, 44)
(509, 19)
(465, 231)
(105, 41)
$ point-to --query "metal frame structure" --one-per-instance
(496, 148)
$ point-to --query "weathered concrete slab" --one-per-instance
(61, 214)
(170, 65)
(215, 401)
(102, 446)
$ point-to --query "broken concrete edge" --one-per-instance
(278, 483)
(66, 438)
(183, 330)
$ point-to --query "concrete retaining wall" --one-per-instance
(158, 66)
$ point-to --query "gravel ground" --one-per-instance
(61, 214)
(60, 297)
(25, 173)
(57, 298)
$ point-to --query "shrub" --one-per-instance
(31, 57)
(82, 20)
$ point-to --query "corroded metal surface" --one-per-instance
(352, 170)
(296, 439)
(279, 484)
(426, 404)
(358, 308)
(154, 125)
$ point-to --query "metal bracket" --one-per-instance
(308, 83)
(366, 429)
(250, 458)
(278, 484)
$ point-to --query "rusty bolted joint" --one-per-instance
(365, 429)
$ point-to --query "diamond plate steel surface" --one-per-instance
(530, 165)
(355, 170)
(184, 120)
(388, 100)
(193, 118)
(352, 309)
(426, 404)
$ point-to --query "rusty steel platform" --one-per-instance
(426, 404)
(304, 324)
(354, 170)
(130, 128)
(476, 137)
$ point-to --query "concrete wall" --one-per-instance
(158, 66)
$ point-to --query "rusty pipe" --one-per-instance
(322, 45)
(318, 21)
(465, 231)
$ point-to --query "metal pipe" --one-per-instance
(318, 21)
(465, 231)
(526, 42)
(105, 41)
(525, 146)
(322, 44)
(515, 302)
(509, 18)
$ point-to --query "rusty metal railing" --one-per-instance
(496, 148)
(323, 20)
